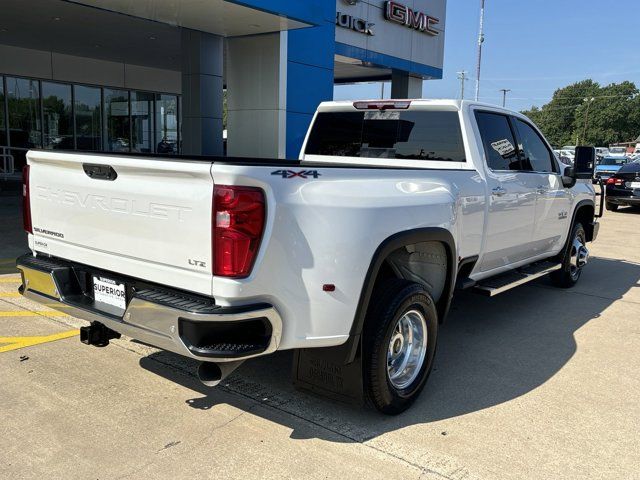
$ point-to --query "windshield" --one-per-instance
(419, 135)
(613, 161)
(618, 150)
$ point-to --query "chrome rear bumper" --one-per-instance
(168, 319)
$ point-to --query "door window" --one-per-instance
(535, 154)
(88, 111)
(141, 122)
(166, 123)
(498, 141)
(116, 113)
(25, 128)
(56, 106)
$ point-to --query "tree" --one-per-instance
(557, 119)
(611, 116)
(590, 114)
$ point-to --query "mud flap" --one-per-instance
(325, 372)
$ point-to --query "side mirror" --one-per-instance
(584, 163)
(569, 177)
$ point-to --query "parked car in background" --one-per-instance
(623, 187)
(618, 152)
(602, 152)
(572, 148)
(608, 166)
(570, 154)
(563, 157)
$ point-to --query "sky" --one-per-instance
(532, 47)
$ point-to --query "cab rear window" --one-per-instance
(417, 135)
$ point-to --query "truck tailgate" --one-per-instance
(153, 221)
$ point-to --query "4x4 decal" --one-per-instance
(300, 174)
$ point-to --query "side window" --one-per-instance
(499, 143)
(535, 154)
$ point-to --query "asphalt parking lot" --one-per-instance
(537, 383)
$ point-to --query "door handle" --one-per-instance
(498, 191)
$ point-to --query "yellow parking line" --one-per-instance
(28, 313)
(14, 343)
(11, 280)
(10, 295)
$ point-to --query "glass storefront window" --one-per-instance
(56, 106)
(36, 114)
(23, 97)
(3, 125)
(88, 111)
(166, 124)
(116, 114)
(142, 121)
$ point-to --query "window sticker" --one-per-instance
(504, 147)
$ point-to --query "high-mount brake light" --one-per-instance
(238, 224)
(26, 200)
(383, 105)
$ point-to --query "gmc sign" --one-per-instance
(399, 13)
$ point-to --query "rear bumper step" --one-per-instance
(169, 319)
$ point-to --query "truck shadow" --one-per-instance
(490, 351)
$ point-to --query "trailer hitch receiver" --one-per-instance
(97, 335)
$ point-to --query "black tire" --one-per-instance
(565, 277)
(390, 301)
(612, 207)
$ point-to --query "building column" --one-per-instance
(202, 97)
(257, 96)
(404, 85)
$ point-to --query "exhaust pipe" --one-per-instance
(211, 373)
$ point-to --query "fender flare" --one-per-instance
(392, 243)
(579, 205)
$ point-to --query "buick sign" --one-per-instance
(399, 13)
(359, 25)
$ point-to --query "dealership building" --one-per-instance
(153, 76)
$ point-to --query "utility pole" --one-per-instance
(381, 90)
(480, 42)
(462, 76)
(504, 95)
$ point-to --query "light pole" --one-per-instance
(462, 76)
(589, 101)
(480, 42)
(504, 96)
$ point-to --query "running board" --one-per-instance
(493, 286)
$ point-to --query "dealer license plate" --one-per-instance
(635, 184)
(109, 292)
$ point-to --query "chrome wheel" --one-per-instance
(407, 349)
(579, 256)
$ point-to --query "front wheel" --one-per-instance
(401, 331)
(573, 259)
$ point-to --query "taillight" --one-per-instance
(238, 223)
(26, 201)
(615, 181)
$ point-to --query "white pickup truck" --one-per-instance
(350, 255)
